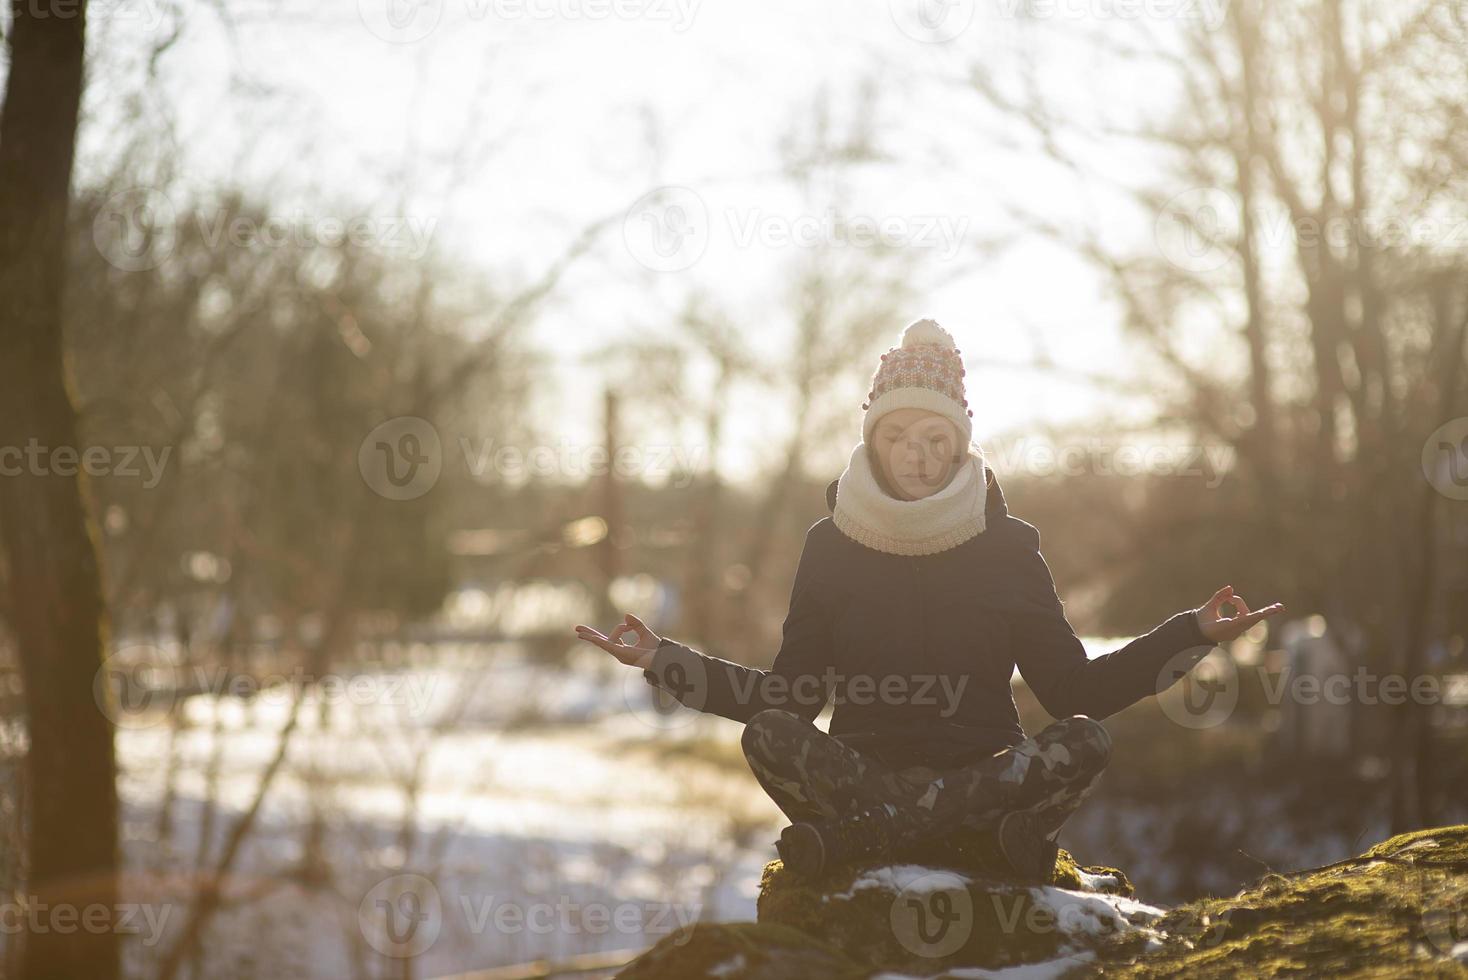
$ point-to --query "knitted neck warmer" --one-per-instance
(866, 514)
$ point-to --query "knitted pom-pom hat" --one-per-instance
(923, 371)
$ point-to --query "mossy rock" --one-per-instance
(923, 917)
(742, 951)
(1399, 909)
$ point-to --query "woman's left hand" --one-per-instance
(1220, 628)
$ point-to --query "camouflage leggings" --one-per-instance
(813, 775)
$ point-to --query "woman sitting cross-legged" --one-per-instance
(913, 603)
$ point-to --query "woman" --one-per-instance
(912, 605)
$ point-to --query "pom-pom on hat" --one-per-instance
(923, 371)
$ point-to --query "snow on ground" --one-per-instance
(532, 804)
(1047, 970)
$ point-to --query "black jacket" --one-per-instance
(919, 650)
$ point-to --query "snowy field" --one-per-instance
(473, 811)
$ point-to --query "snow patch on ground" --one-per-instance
(1047, 970)
(1097, 882)
(914, 878)
(1095, 915)
(731, 967)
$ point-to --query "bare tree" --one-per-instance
(1340, 124)
(55, 602)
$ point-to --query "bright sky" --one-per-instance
(562, 110)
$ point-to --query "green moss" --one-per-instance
(1389, 912)
(1395, 910)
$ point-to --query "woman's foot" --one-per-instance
(811, 849)
(1029, 853)
(802, 850)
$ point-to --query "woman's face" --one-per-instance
(916, 451)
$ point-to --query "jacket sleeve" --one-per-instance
(1053, 662)
(797, 681)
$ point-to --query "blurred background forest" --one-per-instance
(402, 337)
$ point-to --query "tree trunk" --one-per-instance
(54, 583)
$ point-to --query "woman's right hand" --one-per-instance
(636, 654)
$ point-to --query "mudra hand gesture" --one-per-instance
(637, 654)
(1220, 628)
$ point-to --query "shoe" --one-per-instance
(1026, 849)
(811, 849)
(801, 849)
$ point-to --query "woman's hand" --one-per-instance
(1219, 628)
(636, 654)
